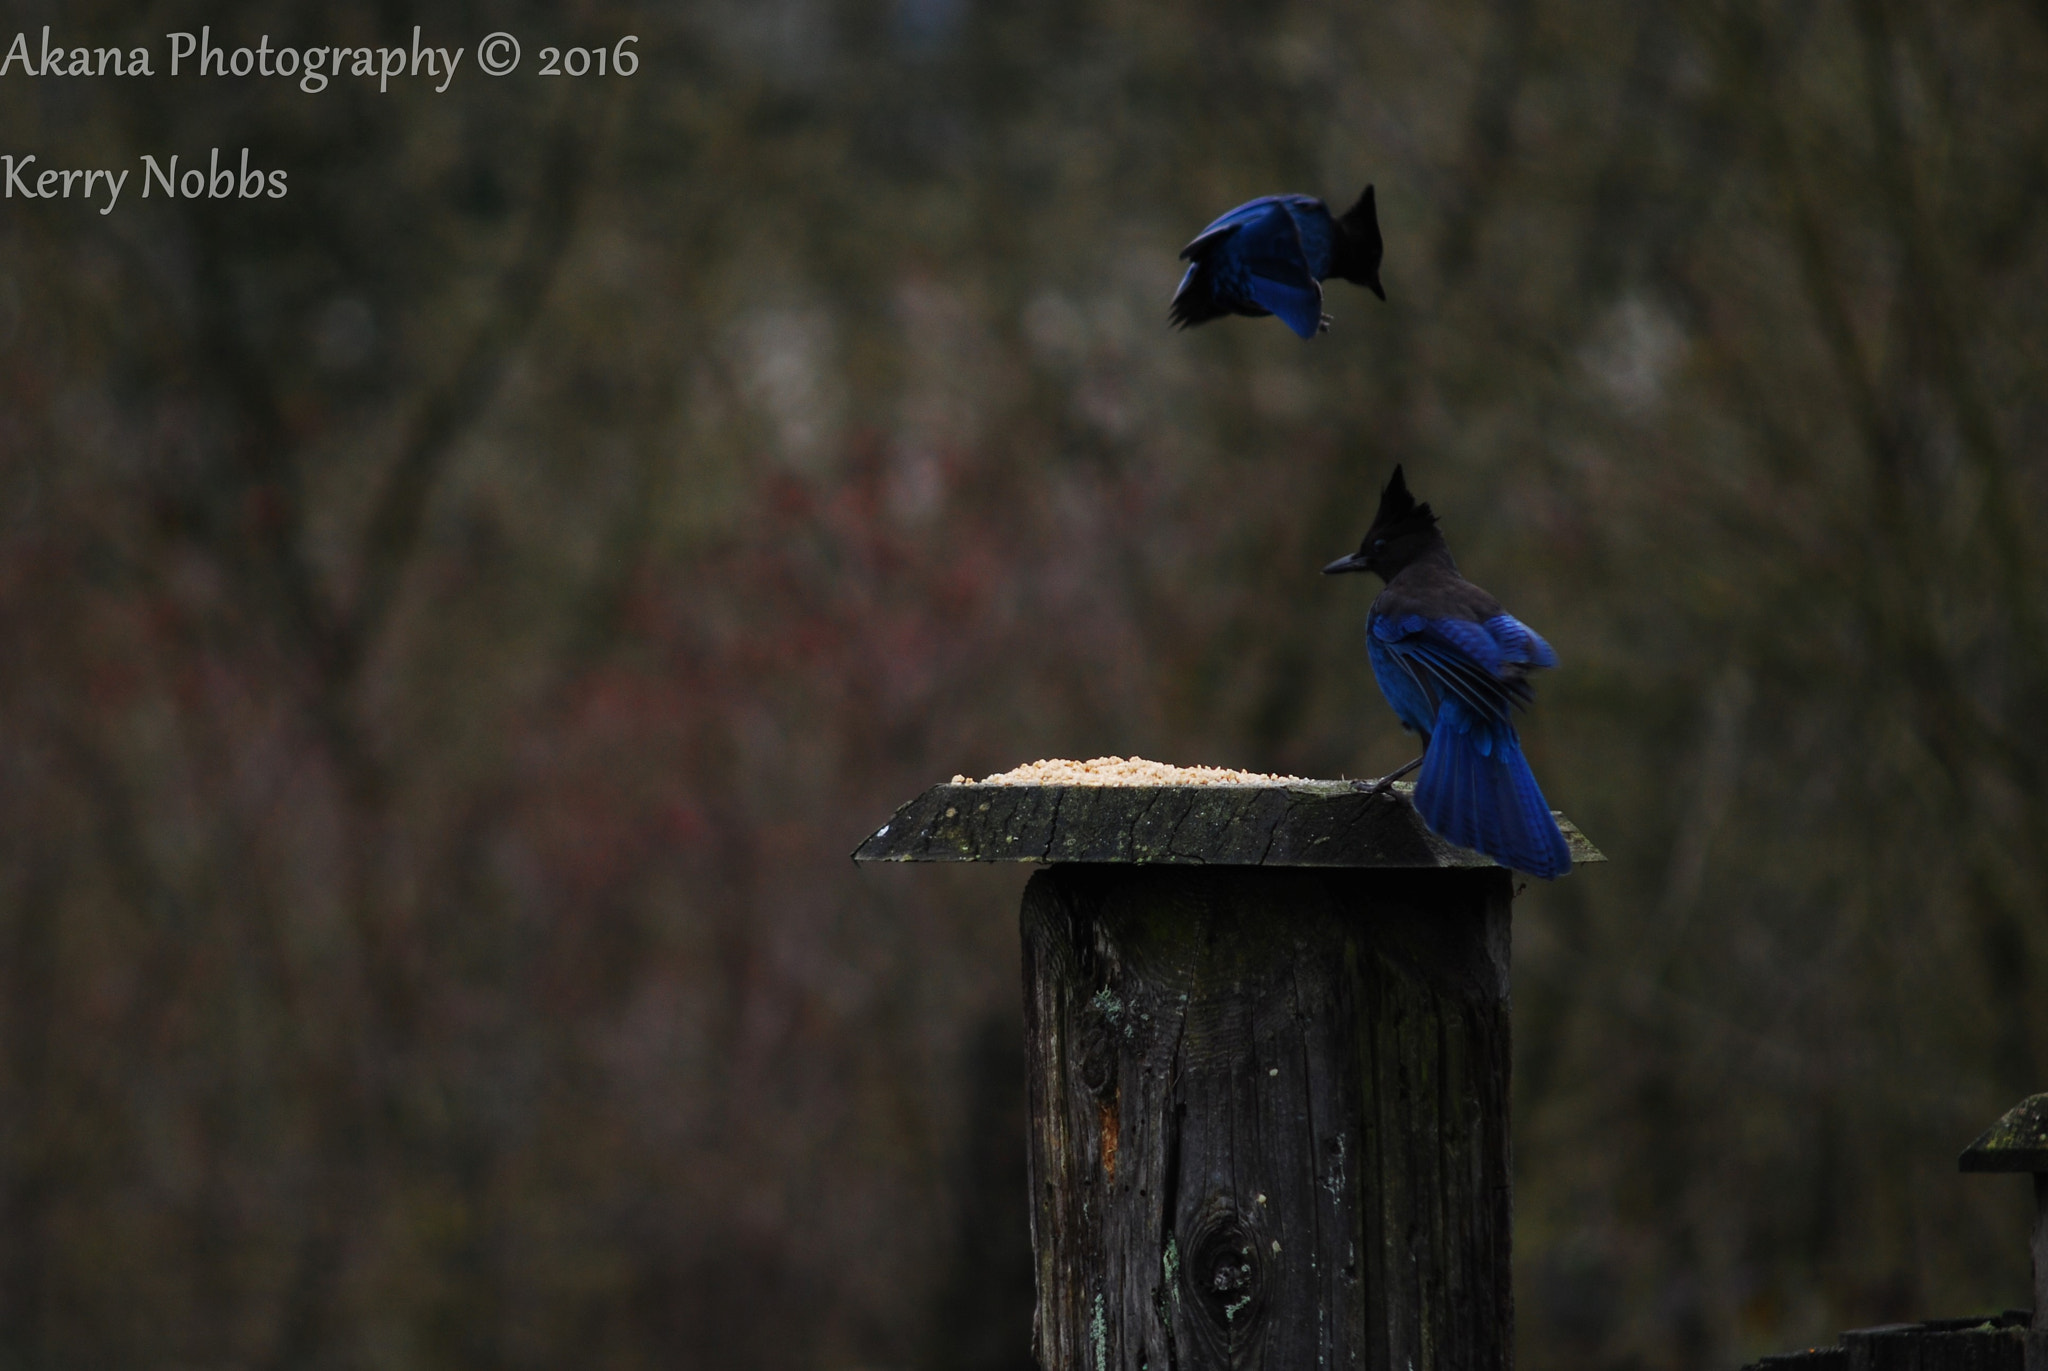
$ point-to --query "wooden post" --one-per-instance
(2037, 1335)
(2019, 1142)
(2015, 1340)
(1267, 1030)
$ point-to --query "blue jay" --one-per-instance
(1454, 664)
(1271, 256)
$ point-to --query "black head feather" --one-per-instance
(1402, 531)
(1399, 512)
(1356, 253)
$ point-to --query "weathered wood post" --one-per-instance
(1268, 1072)
(2019, 1142)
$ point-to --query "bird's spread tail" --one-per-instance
(1476, 789)
(1194, 302)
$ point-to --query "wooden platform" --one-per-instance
(1303, 823)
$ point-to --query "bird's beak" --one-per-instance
(1355, 562)
(1374, 286)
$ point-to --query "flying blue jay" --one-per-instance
(1454, 664)
(1271, 256)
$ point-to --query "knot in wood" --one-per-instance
(1225, 1271)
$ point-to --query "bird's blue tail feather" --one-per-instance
(1476, 789)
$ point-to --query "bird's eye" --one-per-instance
(1379, 545)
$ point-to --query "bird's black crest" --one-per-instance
(1364, 215)
(1399, 510)
(1356, 253)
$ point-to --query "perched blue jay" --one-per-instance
(1454, 664)
(1271, 256)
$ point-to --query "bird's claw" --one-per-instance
(1323, 325)
(1385, 783)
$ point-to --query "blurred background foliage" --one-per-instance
(455, 620)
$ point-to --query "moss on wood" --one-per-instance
(2017, 1142)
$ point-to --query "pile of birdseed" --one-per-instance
(1122, 771)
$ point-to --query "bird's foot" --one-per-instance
(1323, 324)
(1381, 786)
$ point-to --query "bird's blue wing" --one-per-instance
(1405, 688)
(1519, 643)
(1256, 254)
(1269, 245)
(1207, 240)
(1267, 256)
(1456, 659)
(1297, 298)
(1318, 232)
